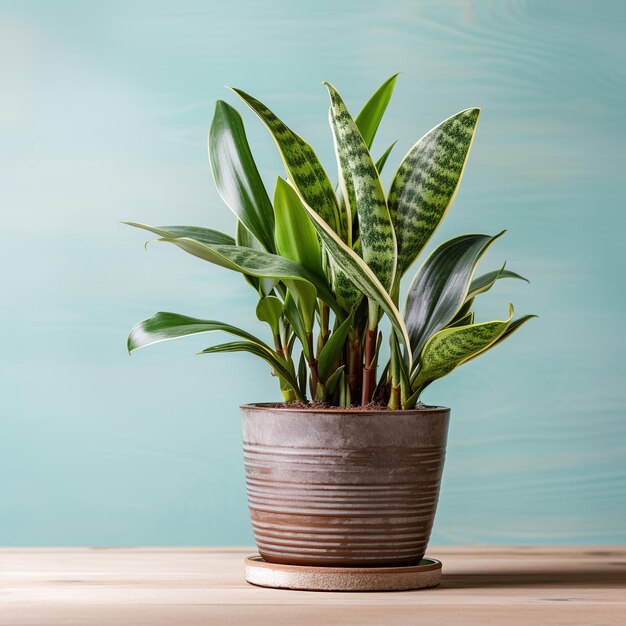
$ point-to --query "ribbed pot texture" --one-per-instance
(343, 488)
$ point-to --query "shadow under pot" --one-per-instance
(341, 487)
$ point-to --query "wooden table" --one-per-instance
(185, 587)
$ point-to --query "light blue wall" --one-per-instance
(104, 110)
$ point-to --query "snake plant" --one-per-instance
(326, 261)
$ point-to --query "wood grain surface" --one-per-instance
(72, 587)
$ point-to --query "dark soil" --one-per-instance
(315, 405)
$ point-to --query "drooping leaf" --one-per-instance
(269, 310)
(440, 286)
(301, 163)
(485, 282)
(163, 326)
(278, 364)
(372, 113)
(245, 238)
(296, 238)
(383, 158)
(360, 275)
(333, 348)
(364, 192)
(205, 235)
(236, 175)
(426, 182)
(253, 262)
(449, 348)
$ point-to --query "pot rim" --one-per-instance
(271, 406)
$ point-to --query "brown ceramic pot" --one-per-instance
(341, 487)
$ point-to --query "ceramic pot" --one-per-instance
(341, 487)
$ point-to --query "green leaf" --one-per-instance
(254, 262)
(440, 286)
(359, 274)
(163, 326)
(205, 235)
(486, 281)
(333, 348)
(451, 347)
(383, 158)
(372, 113)
(246, 239)
(333, 379)
(426, 182)
(363, 190)
(236, 175)
(301, 163)
(278, 365)
(294, 317)
(464, 320)
(511, 328)
(302, 374)
(269, 310)
(296, 238)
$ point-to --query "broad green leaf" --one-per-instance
(333, 348)
(277, 363)
(163, 326)
(372, 113)
(246, 239)
(296, 238)
(359, 274)
(383, 158)
(236, 175)
(426, 182)
(301, 163)
(485, 282)
(440, 286)
(451, 347)
(254, 262)
(269, 310)
(363, 190)
(205, 235)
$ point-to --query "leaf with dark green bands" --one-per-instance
(301, 163)
(451, 347)
(364, 192)
(426, 182)
(236, 175)
(440, 287)
(360, 275)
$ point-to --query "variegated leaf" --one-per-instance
(449, 348)
(426, 182)
(362, 187)
(485, 282)
(301, 163)
(440, 286)
(361, 276)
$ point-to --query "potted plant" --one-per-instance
(345, 471)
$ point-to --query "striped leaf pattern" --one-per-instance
(451, 347)
(426, 182)
(301, 163)
(440, 287)
(359, 274)
(364, 191)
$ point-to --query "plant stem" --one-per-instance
(322, 338)
(369, 366)
(312, 366)
(395, 394)
(354, 362)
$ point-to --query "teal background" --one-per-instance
(104, 111)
